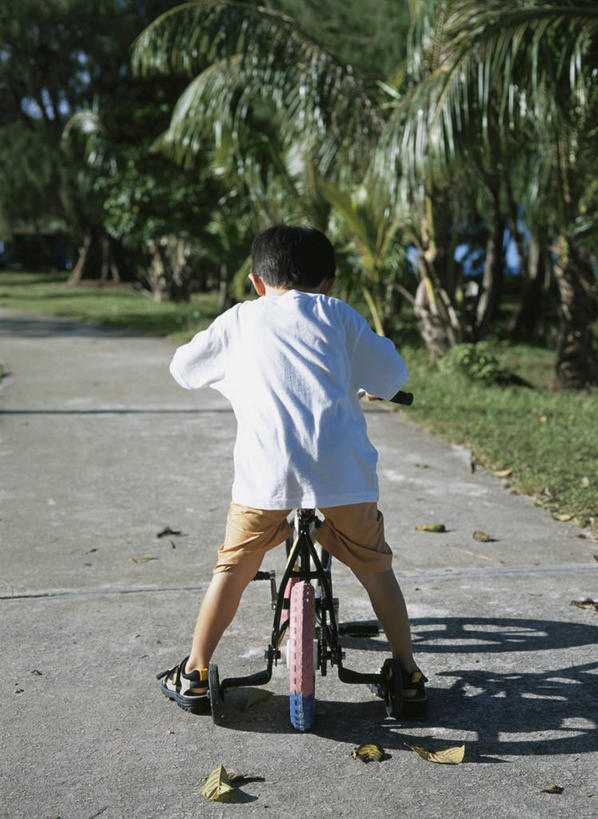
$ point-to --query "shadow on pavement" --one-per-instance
(38, 327)
(511, 712)
(486, 635)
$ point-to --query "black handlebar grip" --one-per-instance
(403, 398)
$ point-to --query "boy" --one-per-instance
(291, 363)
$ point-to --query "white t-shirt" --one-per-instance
(291, 366)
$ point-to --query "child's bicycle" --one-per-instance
(308, 614)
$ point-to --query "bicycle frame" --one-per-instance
(301, 555)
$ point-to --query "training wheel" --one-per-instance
(215, 694)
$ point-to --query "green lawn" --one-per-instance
(121, 306)
(549, 439)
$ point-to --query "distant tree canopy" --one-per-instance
(418, 135)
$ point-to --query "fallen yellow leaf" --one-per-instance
(482, 537)
(431, 527)
(218, 788)
(503, 473)
(143, 559)
(552, 788)
(448, 755)
(563, 516)
(588, 603)
(368, 752)
(257, 695)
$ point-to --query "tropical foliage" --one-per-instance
(430, 139)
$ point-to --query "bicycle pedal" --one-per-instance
(264, 575)
(359, 629)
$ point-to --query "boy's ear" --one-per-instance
(258, 284)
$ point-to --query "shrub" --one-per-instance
(476, 361)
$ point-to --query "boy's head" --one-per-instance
(297, 258)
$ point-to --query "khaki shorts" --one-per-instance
(354, 534)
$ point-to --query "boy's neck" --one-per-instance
(264, 289)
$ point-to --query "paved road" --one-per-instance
(101, 451)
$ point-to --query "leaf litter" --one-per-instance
(256, 696)
(369, 752)
(482, 537)
(431, 527)
(552, 788)
(218, 787)
(588, 603)
(445, 755)
(168, 531)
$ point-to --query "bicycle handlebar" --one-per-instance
(403, 398)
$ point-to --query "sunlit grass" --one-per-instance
(115, 306)
(549, 438)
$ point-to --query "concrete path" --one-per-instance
(101, 451)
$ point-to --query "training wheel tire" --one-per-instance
(392, 683)
(215, 694)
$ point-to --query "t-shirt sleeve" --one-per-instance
(200, 363)
(377, 367)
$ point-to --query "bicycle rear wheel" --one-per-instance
(301, 656)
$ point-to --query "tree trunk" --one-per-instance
(526, 315)
(439, 323)
(492, 278)
(79, 267)
(577, 363)
(224, 297)
(109, 267)
(434, 325)
(169, 274)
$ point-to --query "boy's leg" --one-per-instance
(249, 534)
(355, 534)
(218, 608)
(389, 604)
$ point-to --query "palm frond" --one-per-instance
(242, 54)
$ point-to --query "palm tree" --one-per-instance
(260, 61)
(285, 116)
(480, 80)
(508, 71)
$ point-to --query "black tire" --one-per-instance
(215, 694)
(392, 684)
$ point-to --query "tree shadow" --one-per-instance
(517, 711)
(43, 327)
(483, 635)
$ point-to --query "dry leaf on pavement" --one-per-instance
(256, 696)
(588, 603)
(448, 755)
(482, 537)
(431, 527)
(552, 788)
(168, 531)
(218, 788)
(368, 752)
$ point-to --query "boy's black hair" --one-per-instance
(295, 257)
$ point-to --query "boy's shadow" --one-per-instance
(514, 712)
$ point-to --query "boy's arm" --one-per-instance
(200, 363)
(378, 368)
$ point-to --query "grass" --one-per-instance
(121, 306)
(549, 439)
